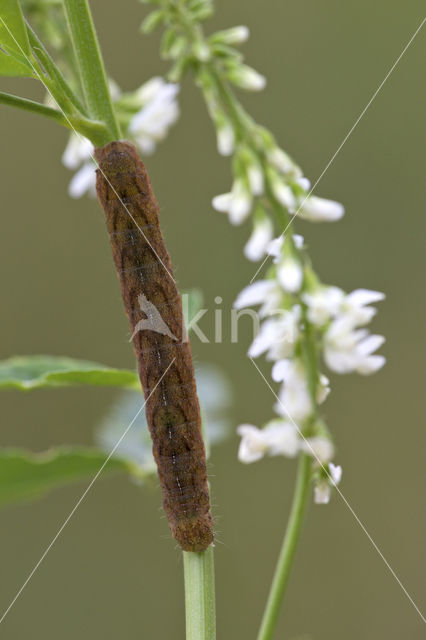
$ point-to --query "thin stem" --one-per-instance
(91, 66)
(31, 105)
(285, 560)
(95, 131)
(199, 595)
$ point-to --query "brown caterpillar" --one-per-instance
(154, 308)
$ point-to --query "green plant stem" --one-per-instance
(95, 131)
(199, 595)
(32, 105)
(91, 66)
(285, 560)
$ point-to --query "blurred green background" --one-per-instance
(115, 571)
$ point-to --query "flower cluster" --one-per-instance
(146, 116)
(338, 321)
(301, 319)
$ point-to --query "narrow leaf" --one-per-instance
(25, 475)
(13, 32)
(10, 66)
(35, 372)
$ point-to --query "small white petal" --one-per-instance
(146, 145)
(335, 473)
(83, 181)
(320, 209)
(222, 202)
(294, 398)
(255, 178)
(239, 34)
(298, 240)
(290, 274)
(259, 240)
(323, 303)
(370, 344)
(265, 338)
(240, 205)
(284, 194)
(280, 370)
(78, 150)
(254, 294)
(274, 248)
(361, 297)
(282, 438)
(323, 388)
(304, 183)
(252, 445)
(322, 493)
(281, 161)
(319, 448)
(248, 78)
(370, 365)
(226, 140)
(234, 35)
(150, 89)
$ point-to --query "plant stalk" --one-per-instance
(285, 560)
(92, 71)
(199, 595)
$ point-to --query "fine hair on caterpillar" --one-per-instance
(154, 309)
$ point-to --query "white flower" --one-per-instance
(281, 161)
(294, 398)
(323, 388)
(283, 193)
(289, 269)
(323, 303)
(277, 438)
(237, 203)
(225, 139)
(320, 209)
(282, 438)
(259, 240)
(290, 274)
(277, 336)
(151, 124)
(234, 35)
(84, 181)
(255, 178)
(322, 492)
(264, 292)
(319, 448)
(347, 349)
(247, 78)
(305, 183)
(335, 472)
(274, 248)
(322, 488)
(78, 150)
(254, 294)
(298, 240)
(354, 305)
(252, 446)
(149, 90)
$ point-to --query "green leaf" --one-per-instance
(13, 32)
(35, 372)
(10, 66)
(25, 475)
